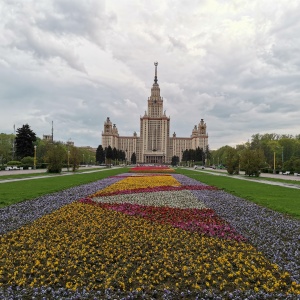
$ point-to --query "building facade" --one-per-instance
(154, 144)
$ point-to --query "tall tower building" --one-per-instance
(154, 145)
(154, 128)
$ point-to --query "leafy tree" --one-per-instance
(109, 154)
(174, 160)
(28, 161)
(115, 153)
(55, 157)
(6, 146)
(296, 165)
(133, 158)
(289, 165)
(198, 154)
(232, 161)
(100, 155)
(185, 155)
(14, 163)
(122, 155)
(25, 138)
(74, 158)
(208, 154)
(252, 161)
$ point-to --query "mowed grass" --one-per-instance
(281, 199)
(43, 172)
(14, 192)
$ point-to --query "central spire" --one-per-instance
(155, 77)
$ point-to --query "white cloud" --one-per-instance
(233, 63)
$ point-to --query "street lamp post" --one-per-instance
(34, 158)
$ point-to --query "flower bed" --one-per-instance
(165, 244)
(152, 169)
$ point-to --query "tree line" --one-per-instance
(271, 153)
(264, 153)
(111, 155)
(29, 151)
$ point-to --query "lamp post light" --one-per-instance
(34, 158)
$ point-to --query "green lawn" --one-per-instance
(285, 200)
(14, 192)
(281, 199)
(43, 172)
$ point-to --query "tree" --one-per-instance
(296, 165)
(252, 161)
(133, 158)
(198, 154)
(232, 161)
(74, 158)
(100, 155)
(115, 154)
(174, 160)
(6, 146)
(207, 154)
(55, 157)
(28, 161)
(24, 141)
(109, 154)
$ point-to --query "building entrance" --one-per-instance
(151, 159)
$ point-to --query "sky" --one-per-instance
(235, 64)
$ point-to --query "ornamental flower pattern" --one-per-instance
(164, 238)
(152, 169)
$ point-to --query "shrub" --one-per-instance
(14, 163)
(28, 161)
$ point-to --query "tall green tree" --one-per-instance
(55, 156)
(24, 141)
(133, 158)
(174, 160)
(232, 161)
(74, 158)
(207, 154)
(6, 147)
(115, 153)
(252, 161)
(100, 155)
(109, 154)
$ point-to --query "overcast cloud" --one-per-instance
(235, 64)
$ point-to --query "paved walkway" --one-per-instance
(263, 175)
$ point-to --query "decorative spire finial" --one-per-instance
(155, 77)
